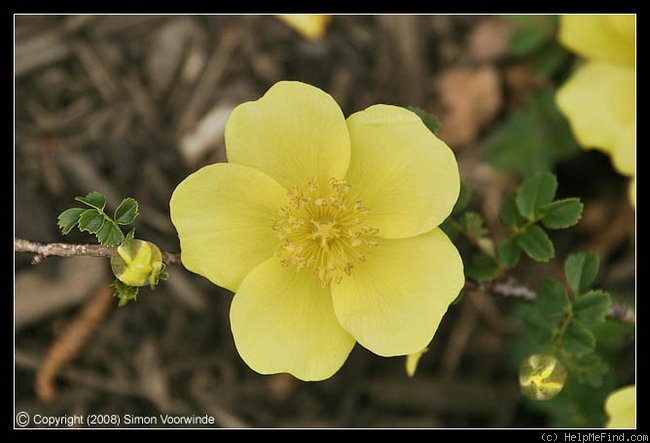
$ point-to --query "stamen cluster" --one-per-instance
(324, 231)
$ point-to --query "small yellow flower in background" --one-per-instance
(325, 228)
(599, 99)
(542, 377)
(620, 407)
(312, 27)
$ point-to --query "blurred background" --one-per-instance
(130, 105)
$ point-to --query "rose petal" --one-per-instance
(295, 133)
(404, 175)
(224, 216)
(394, 301)
(283, 321)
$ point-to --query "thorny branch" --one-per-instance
(43, 250)
(506, 289)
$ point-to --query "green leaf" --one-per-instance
(508, 252)
(93, 199)
(110, 234)
(611, 335)
(126, 212)
(552, 299)
(535, 192)
(509, 213)
(91, 220)
(592, 307)
(530, 33)
(526, 41)
(589, 368)
(581, 270)
(539, 331)
(536, 243)
(578, 339)
(533, 138)
(561, 214)
(482, 268)
(473, 225)
(430, 121)
(550, 59)
(69, 218)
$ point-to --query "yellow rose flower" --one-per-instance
(620, 407)
(310, 26)
(326, 230)
(599, 99)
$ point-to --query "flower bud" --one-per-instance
(137, 263)
(541, 377)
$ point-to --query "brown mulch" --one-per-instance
(130, 105)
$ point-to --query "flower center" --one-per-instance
(322, 230)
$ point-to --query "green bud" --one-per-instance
(137, 263)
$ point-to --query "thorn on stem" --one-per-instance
(38, 259)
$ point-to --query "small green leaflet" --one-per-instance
(592, 307)
(126, 212)
(536, 243)
(535, 192)
(581, 270)
(69, 218)
(561, 214)
(93, 199)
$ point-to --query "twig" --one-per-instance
(72, 340)
(622, 313)
(44, 250)
(507, 289)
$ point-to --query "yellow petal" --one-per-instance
(310, 26)
(620, 406)
(599, 102)
(404, 175)
(393, 302)
(624, 156)
(412, 361)
(283, 321)
(605, 38)
(224, 216)
(295, 133)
